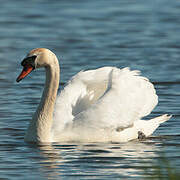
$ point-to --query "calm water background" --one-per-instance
(143, 35)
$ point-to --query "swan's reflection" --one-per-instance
(50, 161)
(97, 159)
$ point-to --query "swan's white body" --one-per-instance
(105, 104)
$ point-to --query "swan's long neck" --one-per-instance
(39, 129)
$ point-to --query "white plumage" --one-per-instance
(105, 104)
(95, 104)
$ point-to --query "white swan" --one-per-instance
(105, 104)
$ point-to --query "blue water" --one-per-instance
(143, 35)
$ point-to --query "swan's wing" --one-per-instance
(83, 90)
(128, 98)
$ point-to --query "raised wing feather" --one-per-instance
(104, 98)
(83, 90)
(128, 98)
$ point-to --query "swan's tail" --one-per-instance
(162, 119)
(148, 127)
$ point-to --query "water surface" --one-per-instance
(143, 35)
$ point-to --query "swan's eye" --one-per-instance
(29, 61)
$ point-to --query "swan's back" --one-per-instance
(107, 97)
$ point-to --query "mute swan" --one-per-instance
(105, 104)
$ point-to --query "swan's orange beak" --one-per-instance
(26, 70)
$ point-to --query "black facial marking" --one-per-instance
(29, 61)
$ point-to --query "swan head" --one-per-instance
(36, 58)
